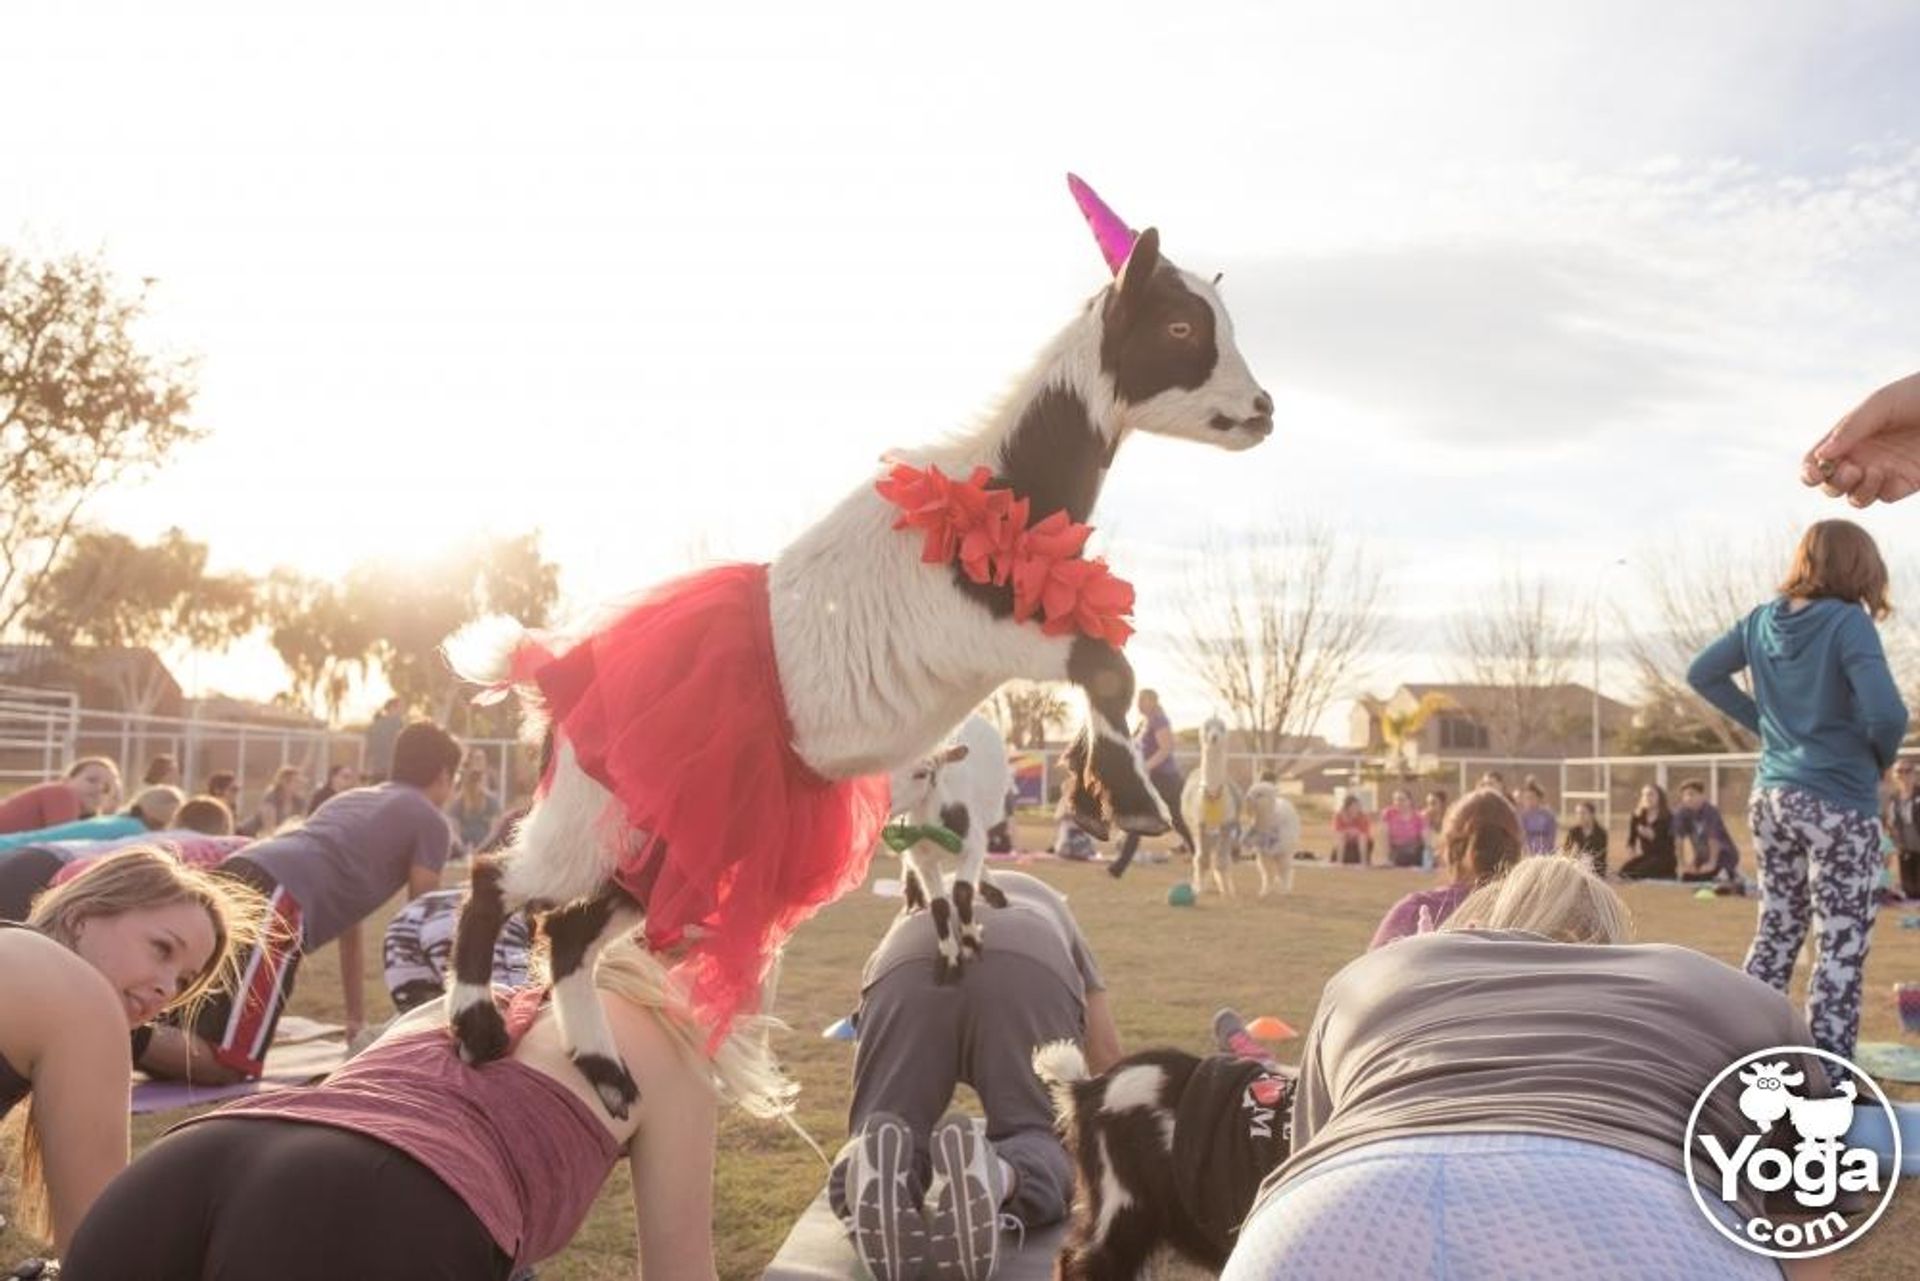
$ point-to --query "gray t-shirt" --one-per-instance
(353, 853)
(1035, 923)
(1502, 1031)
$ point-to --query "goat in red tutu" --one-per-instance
(720, 750)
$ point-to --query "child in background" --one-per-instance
(1698, 821)
(1352, 833)
(1542, 829)
(1406, 830)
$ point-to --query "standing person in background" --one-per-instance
(382, 732)
(1830, 720)
(1406, 830)
(1154, 739)
(89, 787)
(1586, 840)
(1536, 820)
(162, 771)
(1903, 825)
(341, 778)
(223, 786)
(1352, 832)
(1650, 838)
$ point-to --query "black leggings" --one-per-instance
(248, 1199)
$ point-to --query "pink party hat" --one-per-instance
(1115, 237)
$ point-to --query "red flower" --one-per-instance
(1054, 541)
(1084, 596)
(944, 508)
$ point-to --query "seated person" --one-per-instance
(1698, 821)
(1352, 833)
(1479, 840)
(88, 788)
(138, 934)
(1586, 840)
(321, 882)
(1406, 830)
(1650, 838)
(1539, 1159)
(417, 952)
(1035, 982)
(408, 1164)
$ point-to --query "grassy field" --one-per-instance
(1169, 970)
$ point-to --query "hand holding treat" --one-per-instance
(1873, 453)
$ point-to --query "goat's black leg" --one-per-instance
(475, 1019)
(1114, 771)
(992, 893)
(912, 891)
(947, 968)
(576, 933)
(963, 912)
(1084, 800)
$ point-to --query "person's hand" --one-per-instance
(1873, 453)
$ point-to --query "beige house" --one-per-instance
(1492, 721)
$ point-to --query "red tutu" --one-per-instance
(675, 708)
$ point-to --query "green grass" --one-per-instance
(1169, 969)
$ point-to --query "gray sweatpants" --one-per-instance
(919, 1040)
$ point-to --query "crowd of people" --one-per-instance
(168, 934)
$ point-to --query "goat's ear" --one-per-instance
(958, 752)
(1140, 266)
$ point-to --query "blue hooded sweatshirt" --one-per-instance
(1829, 716)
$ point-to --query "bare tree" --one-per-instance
(1280, 622)
(1027, 712)
(1520, 644)
(1689, 598)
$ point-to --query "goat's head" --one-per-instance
(1771, 1076)
(916, 789)
(1166, 343)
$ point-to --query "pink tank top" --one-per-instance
(528, 1156)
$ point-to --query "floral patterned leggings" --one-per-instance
(1818, 867)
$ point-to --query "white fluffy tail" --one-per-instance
(483, 650)
(1060, 1063)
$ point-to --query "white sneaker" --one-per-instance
(887, 1226)
(964, 1235)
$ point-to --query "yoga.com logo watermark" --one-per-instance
(1821, 1193)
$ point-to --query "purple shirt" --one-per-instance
(1542, 830)
(1403, 918)
(1148, 742)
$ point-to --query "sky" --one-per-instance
(1535, 287)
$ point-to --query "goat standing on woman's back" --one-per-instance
(721, 749)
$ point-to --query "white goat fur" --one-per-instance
(976, 783)
(1271, 829)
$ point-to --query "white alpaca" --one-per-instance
(1211, 805)
(961, 790)
(718, 753)
(1270, 828)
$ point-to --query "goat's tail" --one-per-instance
(1064, 1069)
(501, 654)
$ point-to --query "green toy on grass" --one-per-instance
(1181, 895)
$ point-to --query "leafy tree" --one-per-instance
(109, 591)
(1027, 712)
(82, 406)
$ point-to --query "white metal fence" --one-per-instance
(42, 732)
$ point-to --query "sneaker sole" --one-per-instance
(966, 1219)
(889, 1233)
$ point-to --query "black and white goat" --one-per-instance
(963, 789)
(1168, 1150)
(879, 655)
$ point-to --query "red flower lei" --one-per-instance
(986, 530)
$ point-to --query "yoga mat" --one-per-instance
(1889, 1061)
(296, 1064)
(818, 1250)
(1870, 1131)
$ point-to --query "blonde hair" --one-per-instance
(742, 1070)
(157, 806)
(1552, 895)
(135, 879)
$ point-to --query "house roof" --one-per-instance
(1569, 694)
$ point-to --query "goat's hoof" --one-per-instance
(482, 1033)
(970, 944)
(611, 1081)
(993, 894)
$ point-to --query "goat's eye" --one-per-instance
(1180, 329)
